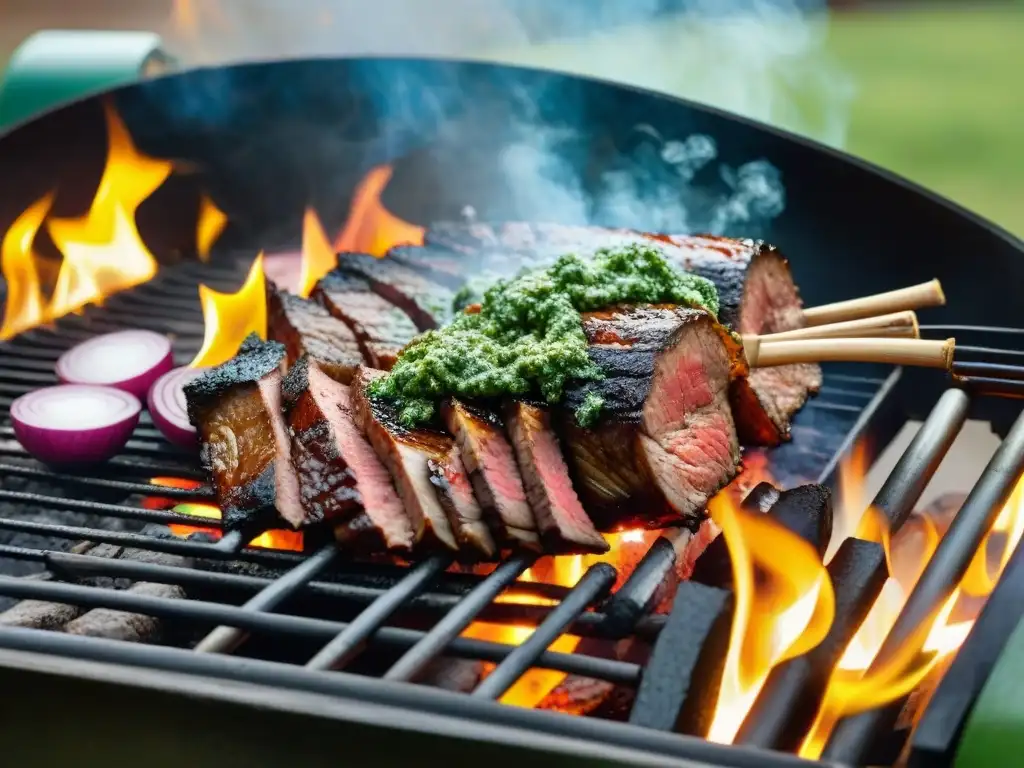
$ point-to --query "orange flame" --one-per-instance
(211, 223)
(566, 571)
(229, 317)
(784, 612)
(277, 539)
(370, 227)
(317, 254)
(854, 688)
(102, 251)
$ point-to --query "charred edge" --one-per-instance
(254, 360)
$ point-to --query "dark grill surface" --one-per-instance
(319, 611)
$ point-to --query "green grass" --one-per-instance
(938, 93)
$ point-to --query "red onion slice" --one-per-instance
(74, 423)
(127, 360)
(167, 406)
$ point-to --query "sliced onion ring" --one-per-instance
(167, 406)
(75, 423)
(127, 360)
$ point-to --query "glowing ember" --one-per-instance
(371, 228)
(285, 540)
(783, 612)
(229, 317)
(211, 223)
(318, 257)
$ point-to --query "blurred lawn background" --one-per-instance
(939, 92)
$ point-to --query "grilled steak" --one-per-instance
(439, 264)
(427, 303)
(340, 477)
(406, 452)
(493, 472)
(236, 408)
(306, 328)
(562, 522)
(454, 491)
(755, 287)
(381, 328)
(665, 441)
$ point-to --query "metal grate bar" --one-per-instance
(633, 599)
(853, 736)
(196, 611)
(104, 510)
(595, 583)
(203, 493)
(460, 617)
(351, 640)
(226, 639)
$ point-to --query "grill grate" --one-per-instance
(260, 582)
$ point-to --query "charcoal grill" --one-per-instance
(269, 139)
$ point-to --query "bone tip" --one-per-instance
(948, 347)
(940, 295)
(915, 328)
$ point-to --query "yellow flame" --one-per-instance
(783, 612)
(372, 228)
(211, 223)
(229, 317)
(24, 307)
(318, 256)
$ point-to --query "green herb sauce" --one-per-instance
(528, 338)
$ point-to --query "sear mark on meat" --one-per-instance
(563, 524)
(451, 480)
(406, 453)
(427, 303)
(340, 478)
(236, 408)
(665, 441)
(381, 328)
(306, 328)
(493, 472)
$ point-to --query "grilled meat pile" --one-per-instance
(496, 476)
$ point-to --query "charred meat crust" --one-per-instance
(341, 480)
(427, 303)
(381, 328)
(236, 408)
(305, 327)
(405, 452)
(561, 519)
(493, 472)
(440, 265)
(665, 441)
(449, 476)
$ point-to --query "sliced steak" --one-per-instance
(306, 328)
(665, 441)
(245, 448)
(381, 328)
(340, 477)
(440, 265)
(455, 492)
(563, 523)
(427, 303)
(406, 453)
(493, 472)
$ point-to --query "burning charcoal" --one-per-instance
(306, 328)
(39, 614)
(578, 695)
(561, 519)
(680, 685)
(238, 404)
(129, 627)
(493, 471)
(381, 328)
(805, 510)
(459, 675)
(427, 303)
(652, 459)
(761, 497)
